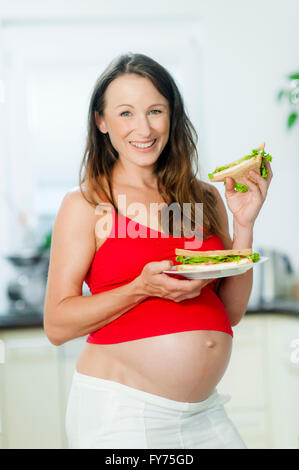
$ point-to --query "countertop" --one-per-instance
(35, 319)
(276, 306)
(21, 320)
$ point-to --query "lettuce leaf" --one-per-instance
(241, 188)
(215, 259)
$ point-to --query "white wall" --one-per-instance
(250, 48)
(245, 51)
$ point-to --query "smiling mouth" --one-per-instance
(144, 145)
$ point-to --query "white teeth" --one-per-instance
(143, 146)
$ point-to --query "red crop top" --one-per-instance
(121, 259)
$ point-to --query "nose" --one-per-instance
(143, 126)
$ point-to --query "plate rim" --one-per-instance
(174, 271)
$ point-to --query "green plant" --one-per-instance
(46, 244)
(292, 95)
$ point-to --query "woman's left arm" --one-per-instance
(234, 291)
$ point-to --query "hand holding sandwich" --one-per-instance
(246, 184)
(245, 206)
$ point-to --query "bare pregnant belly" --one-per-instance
(184, 366)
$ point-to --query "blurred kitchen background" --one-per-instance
(236, 64)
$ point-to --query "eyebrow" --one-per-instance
(157, 104)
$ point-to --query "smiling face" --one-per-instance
(137, 119)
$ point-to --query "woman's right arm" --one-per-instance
(68, 314)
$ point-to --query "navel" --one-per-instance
(210, 343)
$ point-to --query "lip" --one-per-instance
(149, 149)
(141, 141)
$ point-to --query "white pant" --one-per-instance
(102, 414)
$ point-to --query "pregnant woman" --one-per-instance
(157, 345)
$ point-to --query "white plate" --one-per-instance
(223, 271)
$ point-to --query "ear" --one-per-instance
(100, 123)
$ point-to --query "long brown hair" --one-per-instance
(176, 167)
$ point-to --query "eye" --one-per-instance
(125, 113)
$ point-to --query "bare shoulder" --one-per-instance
(73, 230)
(77, 198)
(209, 187)
(78, 201)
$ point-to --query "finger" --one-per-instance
(270, 173)
(229, 185)
(187, 296)
(181, 284)
(264, 182)
(253, 187)
(207, 281)
(166, 264)
(199, 283)
(260, 181)
(192, 295)
(157, 267)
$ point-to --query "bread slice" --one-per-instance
(238, 171)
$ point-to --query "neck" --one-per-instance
(131, 175)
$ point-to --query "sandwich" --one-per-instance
(192, 260)
(239, 168)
